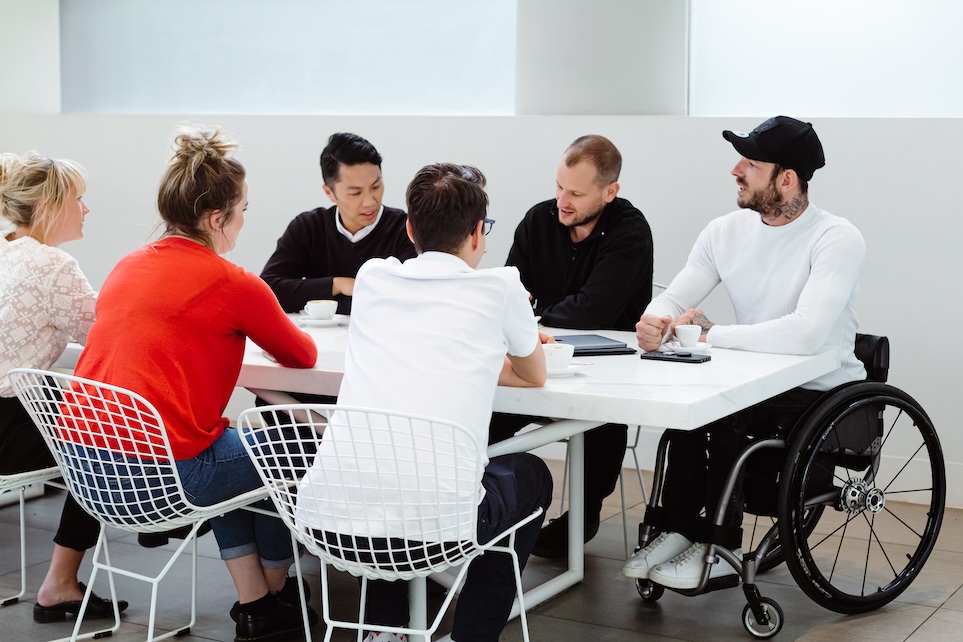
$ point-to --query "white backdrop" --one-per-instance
(894, 179)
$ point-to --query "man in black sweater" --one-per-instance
(586, 258)
(320, 252)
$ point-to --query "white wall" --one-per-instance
(894, 179)
(30, 46)
(602, 57)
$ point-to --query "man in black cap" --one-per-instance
(792, 273)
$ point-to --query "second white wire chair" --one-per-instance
(18, 482)
(392, 496)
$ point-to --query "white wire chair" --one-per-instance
(367, 505)
(112, 450)
(18, 482)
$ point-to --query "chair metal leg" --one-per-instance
(13, 599)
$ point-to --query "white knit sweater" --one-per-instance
(794, 288)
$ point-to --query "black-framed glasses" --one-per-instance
(487, 225)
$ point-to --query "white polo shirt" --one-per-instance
(429, 337)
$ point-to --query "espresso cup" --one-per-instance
(321, 309)
(688, 335)
(558, 355)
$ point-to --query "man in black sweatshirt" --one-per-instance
(320, 252)
(586, 259)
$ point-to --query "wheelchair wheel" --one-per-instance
(773, 613)
(881, 513)
(649, 591)
(775, 555)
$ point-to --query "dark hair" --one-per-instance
(445, 202)
(601, 153)
(803, 183)
(199, 179)
(345, 149)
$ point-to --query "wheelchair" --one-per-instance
(853, 524)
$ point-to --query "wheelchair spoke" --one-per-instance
(901, 521)
(900, 471)
(870, 522)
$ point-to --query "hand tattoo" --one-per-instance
(700, 319)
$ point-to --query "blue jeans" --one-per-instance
(217, 474)
(221, 472)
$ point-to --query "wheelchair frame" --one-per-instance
(811, 454)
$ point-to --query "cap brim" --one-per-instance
(747, 146)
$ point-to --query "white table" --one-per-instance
(610, 389)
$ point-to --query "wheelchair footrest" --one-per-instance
(714, 584)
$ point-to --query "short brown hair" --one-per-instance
(445, 202)
(600, 152)
(199, 179)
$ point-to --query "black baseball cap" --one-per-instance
(784, 141)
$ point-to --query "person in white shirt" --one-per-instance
(45, 301)
(792, 273)
(433, 336)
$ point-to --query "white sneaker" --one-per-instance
(685, 570)
(385, 637)
(661, 549)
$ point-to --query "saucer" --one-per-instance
(336, 320)
(564, 372)
(673, 346)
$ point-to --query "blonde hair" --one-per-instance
(199, 179)
(34, 191)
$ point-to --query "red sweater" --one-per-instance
(172, 319)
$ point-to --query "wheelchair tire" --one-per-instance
(775, 555)
(870, 543)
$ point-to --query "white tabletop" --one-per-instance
(611, 388)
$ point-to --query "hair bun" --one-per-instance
(194, 146)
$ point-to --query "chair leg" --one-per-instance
(76, 635)
(297, 574)
(13, 599)
(518, 587)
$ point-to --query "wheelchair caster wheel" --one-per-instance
(773, 614)
(650, 592)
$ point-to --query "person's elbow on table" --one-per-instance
(524, 372)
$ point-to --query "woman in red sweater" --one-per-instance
(172, 322)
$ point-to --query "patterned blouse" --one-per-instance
(45, 301)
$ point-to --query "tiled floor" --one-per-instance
(604, 608)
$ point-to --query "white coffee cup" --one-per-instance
(558, 355)
(688, 335)
(321, 309)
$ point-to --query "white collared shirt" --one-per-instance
(363, 232)
(427, 337)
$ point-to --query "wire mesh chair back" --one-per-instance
(385, 496)
(111, 446)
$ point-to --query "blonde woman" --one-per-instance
(45, 300)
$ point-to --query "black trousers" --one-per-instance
(699, 462)
(22, 448)
(604, 451)
(515, 485)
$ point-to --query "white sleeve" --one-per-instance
(690, 286)
(836, 262)
(519, 325)
(72, 301)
